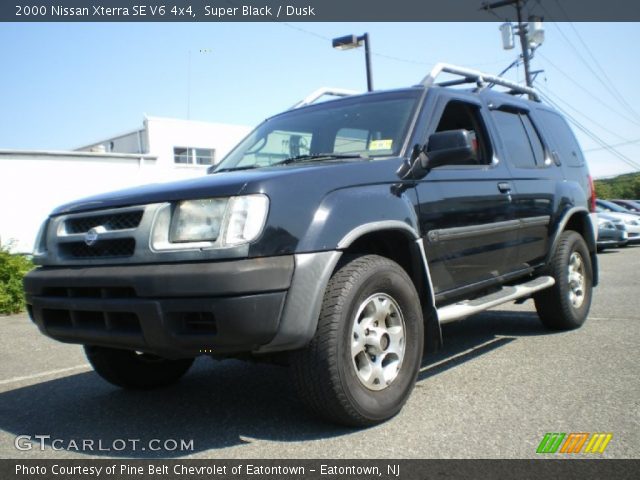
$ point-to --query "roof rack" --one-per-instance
(474, 76)
(321, 92)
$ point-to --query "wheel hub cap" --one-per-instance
(576, 280)
(378, 341)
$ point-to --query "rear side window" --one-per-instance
(564, 140)
(520, 138)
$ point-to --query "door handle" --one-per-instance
(504, 187)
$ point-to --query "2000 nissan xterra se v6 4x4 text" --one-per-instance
(338, 236)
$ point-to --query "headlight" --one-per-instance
(197, 220)
(209, 223)
(246, 219)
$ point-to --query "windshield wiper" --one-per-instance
(298, 158)
(233, 169)
(319, 156)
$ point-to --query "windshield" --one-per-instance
(368, 126)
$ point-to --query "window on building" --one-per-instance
(194, 156)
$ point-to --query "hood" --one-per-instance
(325, 175)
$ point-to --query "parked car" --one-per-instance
(631, 205)
(623, 221)
(609, 235)
(337, 237)
(609, 206)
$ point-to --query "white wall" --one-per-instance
(34, 183)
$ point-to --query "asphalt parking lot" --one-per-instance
(499, 385)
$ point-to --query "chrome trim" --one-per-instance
(457, 233)
(563, 223)
(357, 232)
(469, 307)
(321, 92)
(480, 78)
(427, 272)
(535, 221)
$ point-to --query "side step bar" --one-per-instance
(469, 307)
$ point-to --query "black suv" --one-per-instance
(337, 235)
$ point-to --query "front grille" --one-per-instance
(115, 235)
(111, 222)
(112, 248)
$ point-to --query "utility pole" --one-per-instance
(524, 44)
(522, 33)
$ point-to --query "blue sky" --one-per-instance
(65, 85)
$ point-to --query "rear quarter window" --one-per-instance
(522, 146)
(564, 141)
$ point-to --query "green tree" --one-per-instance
(13, 268)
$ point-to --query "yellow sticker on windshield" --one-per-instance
(380, 144)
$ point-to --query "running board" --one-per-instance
(506, 294)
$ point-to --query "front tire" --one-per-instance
(133, 370)
(565, 306)
(361, 366)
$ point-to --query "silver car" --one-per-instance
(623, 221)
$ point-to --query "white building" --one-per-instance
(32, 183)
(183, 148)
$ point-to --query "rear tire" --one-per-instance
(565, 306)
(361, 366)
(132, 370)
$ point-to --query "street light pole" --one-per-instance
(352, 41)
(367, 55)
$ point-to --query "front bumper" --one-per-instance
(173, 310)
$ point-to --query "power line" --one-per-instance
(590, 134)
(559, 99)
(378, 54)
(588, 92)
(621, 144)
(609, 85)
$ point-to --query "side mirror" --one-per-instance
(451, 147)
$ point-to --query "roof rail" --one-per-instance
(474, 76)
(321, 92)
